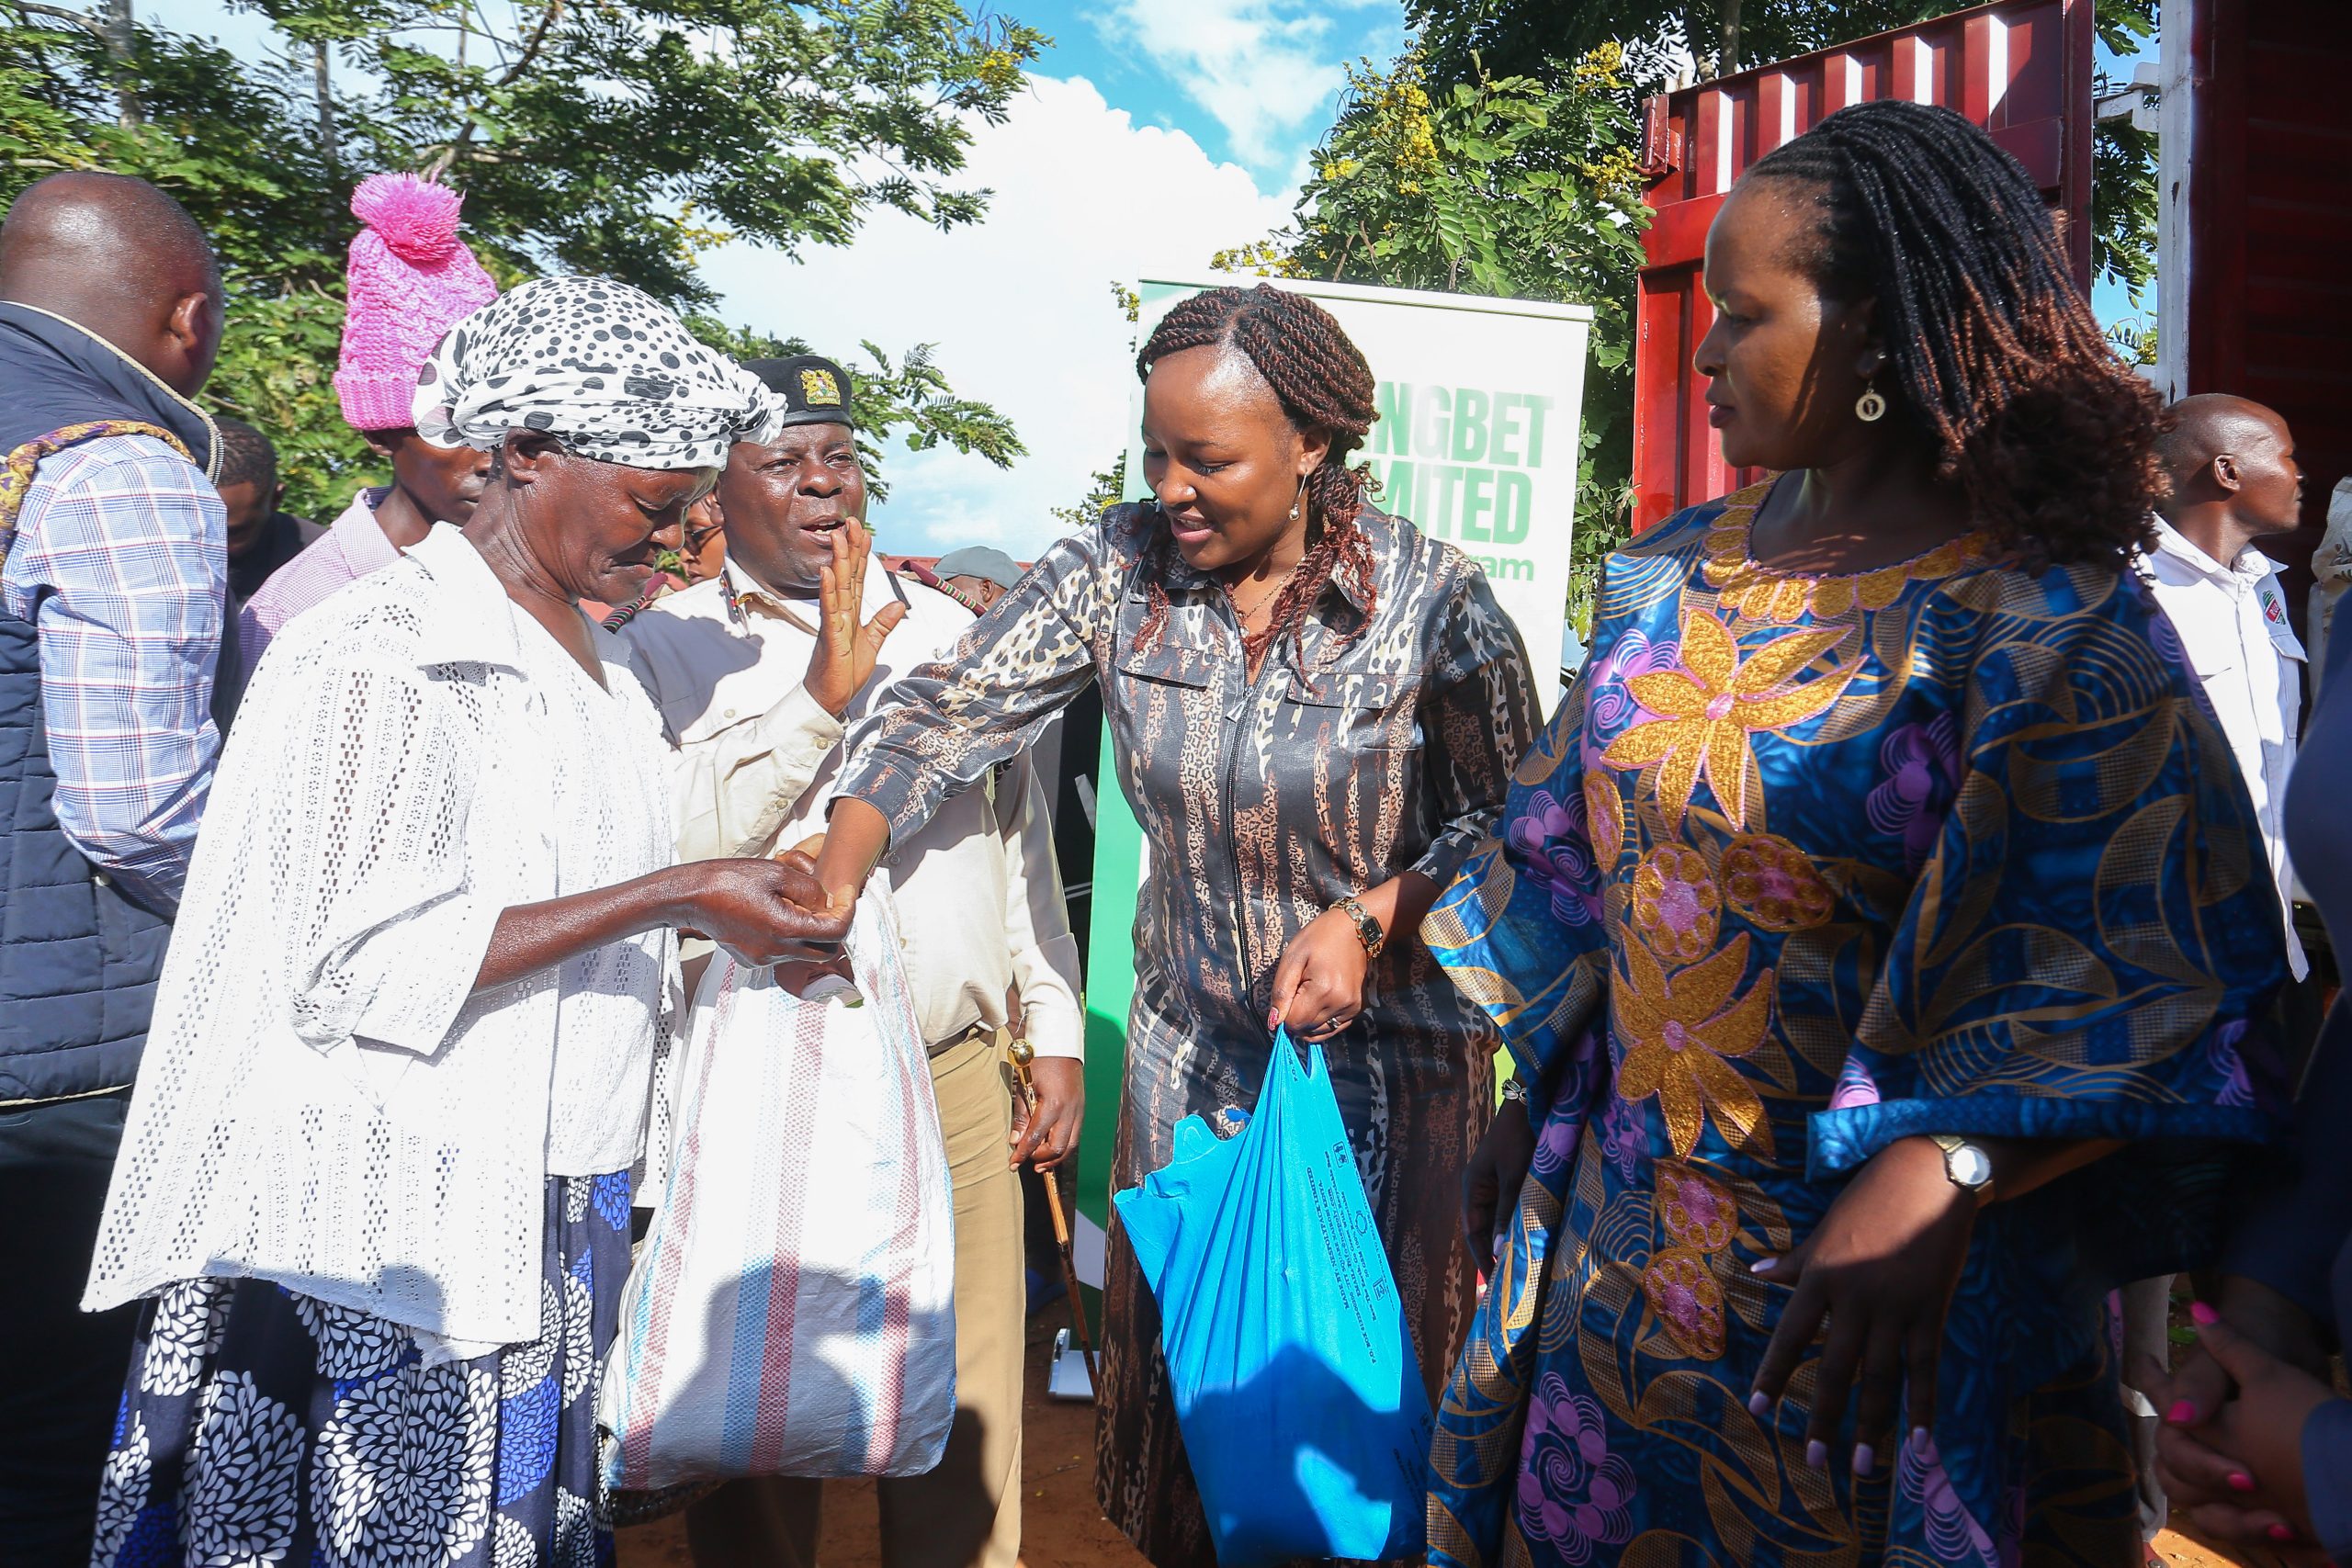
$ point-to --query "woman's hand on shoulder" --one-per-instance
(763, 911)
(1879, 1269)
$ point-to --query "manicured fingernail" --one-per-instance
(2203, 1313)
(1864, 1458)
(2241, 1482)
(2281, 1532)
(2182, 1413)
(1816, 1454)
(1762, 1266)
(1758, 1405)
(1919, 1441)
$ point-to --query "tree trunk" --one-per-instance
(129, 111)
(324, 90)
(1729, 61)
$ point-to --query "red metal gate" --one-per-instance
(2020, 68)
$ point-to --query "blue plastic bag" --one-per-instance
(1295, 1378)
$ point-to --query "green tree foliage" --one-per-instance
(620, 137)
(1512, 187)
(1465, 39)
(910, 398)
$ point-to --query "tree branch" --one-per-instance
(531, 46)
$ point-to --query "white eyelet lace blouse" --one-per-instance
(324, 1102)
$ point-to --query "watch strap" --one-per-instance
(1368, 931)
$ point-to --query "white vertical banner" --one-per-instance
(1478, 435)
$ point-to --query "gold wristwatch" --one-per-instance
(1967, 1167)
(1368, 929)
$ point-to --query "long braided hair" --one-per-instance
(1326, 389)
(1995, 357)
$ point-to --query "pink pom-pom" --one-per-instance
(417, 219)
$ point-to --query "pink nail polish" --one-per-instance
(1816, 1454)
(1864, 1458)
(2241, 1482)
(2281, 1532)
(2182, 1413)
(1758, 1405)
(2203, 1313)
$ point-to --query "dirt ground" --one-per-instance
(1061, 1525)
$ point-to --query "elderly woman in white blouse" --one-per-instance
(376, 1172)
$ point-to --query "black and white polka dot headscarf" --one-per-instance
(605, 369)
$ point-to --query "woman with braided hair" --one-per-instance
(1314, 710)
(1878, 927)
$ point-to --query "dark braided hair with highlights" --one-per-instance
(1326, 389)
(1994, 356)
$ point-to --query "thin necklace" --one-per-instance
(1259, 602)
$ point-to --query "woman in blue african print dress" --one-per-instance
(1839, 885)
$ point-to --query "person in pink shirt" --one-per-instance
(411, 279)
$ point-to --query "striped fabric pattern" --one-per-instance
(792, 1311)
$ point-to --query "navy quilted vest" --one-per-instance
(78, 956)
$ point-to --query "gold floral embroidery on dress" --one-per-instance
(1604, 821)
(1697, 1213)
(1681, 1287)
(1743, 584)
(1700, 1218)
(1675, 904)
(1772, 884)
(1680, 1035)
(1711, 705)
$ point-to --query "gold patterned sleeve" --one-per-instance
(1477, 718)
(951, 721)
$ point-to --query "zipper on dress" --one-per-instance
(1232, 759)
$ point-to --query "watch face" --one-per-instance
(1968, 1166)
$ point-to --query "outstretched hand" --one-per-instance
(843, 658)
(767, 911)
(1880, 1269)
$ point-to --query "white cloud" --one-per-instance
(1020, 305)
(1264, 68)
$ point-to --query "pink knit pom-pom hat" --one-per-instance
(411, 279)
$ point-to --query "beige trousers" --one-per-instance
(967, 1513)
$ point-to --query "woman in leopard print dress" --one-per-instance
(1314, 710)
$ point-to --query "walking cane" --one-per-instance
(1023, 1054)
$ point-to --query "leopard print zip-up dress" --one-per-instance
(1361, 749)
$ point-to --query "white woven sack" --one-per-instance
(792, 1311)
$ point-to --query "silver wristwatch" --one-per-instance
(1969, 1167)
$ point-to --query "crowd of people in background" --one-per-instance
(1787, 1081)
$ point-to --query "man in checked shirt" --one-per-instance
(113, 568)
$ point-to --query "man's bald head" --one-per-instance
(2234, 479)
(118, 258)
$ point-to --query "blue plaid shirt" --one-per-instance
(120, 562)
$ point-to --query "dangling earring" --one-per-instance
(1298, 498)
(1869, 408)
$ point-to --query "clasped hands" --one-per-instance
(2230, 1451)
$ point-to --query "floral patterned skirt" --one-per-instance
(261, 1426)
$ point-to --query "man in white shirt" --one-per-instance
(757, 712)
(2234, 481)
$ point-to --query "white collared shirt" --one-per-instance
(326, 1101)
(2234, 627)
(980, 899)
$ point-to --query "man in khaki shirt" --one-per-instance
(755, 672)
